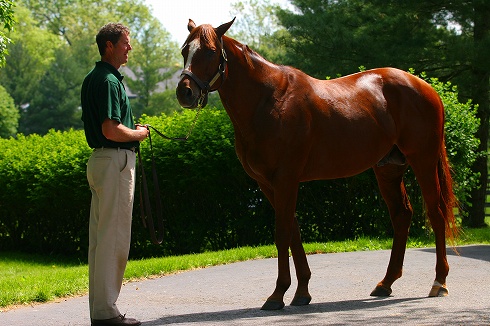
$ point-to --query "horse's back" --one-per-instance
(399, 102)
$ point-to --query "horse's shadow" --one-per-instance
(228, 316)
(479, 252)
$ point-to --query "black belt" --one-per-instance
(132, 149)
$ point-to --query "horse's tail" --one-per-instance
(448, 199)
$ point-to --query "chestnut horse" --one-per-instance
(291, 128)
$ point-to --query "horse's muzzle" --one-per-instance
(186, 97)
(191, 91)
(189, 96)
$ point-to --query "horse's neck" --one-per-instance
(245, 73)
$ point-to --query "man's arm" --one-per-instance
(116, 131)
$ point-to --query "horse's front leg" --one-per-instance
(302, 296)
(282, 239)
(284, 202)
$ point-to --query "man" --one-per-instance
(111, 132)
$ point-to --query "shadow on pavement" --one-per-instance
(314, 308)
(480, 252)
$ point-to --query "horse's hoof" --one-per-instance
(438, 290)
(301, 301)
(381, 291)
(272, 305)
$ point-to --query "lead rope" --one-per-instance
(145, 203)
(178, 138)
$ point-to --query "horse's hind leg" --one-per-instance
(428, 179)
(392, 187)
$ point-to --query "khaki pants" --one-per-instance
(111, 176)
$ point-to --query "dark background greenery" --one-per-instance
(209, 201)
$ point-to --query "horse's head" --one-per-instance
(204, 64)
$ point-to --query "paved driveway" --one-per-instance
(340, 286)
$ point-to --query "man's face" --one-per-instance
(120, 50)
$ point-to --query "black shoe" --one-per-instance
(119, 320)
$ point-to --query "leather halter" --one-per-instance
(206, 86)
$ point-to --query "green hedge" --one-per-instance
(209, 201)
(43, 192)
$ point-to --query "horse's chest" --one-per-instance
(256, 159)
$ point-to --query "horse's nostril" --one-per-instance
(188, 92)
(184, 92)
(185, 95)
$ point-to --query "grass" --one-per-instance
(27, 279)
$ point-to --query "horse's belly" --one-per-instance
(346, 156)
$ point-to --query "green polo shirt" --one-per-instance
(103, 96)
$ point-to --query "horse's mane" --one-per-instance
(248, 53)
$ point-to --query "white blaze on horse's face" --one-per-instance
(193, 47)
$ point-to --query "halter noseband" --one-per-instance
(206, 86)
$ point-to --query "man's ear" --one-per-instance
(109, 45)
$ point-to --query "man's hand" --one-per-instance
(144, 129)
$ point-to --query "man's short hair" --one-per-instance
(110, 32)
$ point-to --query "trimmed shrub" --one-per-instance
(44, 195)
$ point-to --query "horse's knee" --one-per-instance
(401, 221)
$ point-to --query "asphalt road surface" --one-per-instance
(340, 287)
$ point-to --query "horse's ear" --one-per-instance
(221, 30)
(191, 25)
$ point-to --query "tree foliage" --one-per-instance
(327, 38)
(154, 60)
(9, 115)
(31, 54)
(7, 19)
(54, 48)
(257, 26)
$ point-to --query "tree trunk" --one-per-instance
(481, 90)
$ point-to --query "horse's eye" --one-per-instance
(210, 53)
